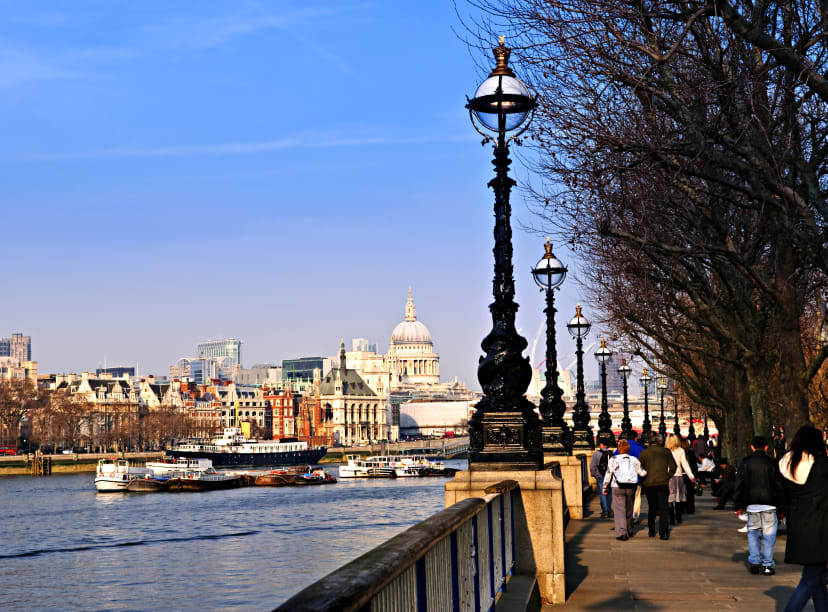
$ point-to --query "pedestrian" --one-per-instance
(677, 491)
(805, 468)
(700, 449)
(689, 484)
(623, 471)
(725, 485)
(598, 468)
(635, 450)
(760, 492)
(660, 466)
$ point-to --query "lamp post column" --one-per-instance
(646, 426)
(676, 426)
(691, 431)
(581, 431)
(556, 434)
(662, 426)
(706, 432)
(604, 354)
(504, 432)
(626, 423)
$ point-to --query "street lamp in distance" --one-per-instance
(627, 432)
(549, 274)
(581, 431)
(603, 355)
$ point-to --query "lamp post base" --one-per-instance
(583, 439)
(505, 441)
(555, 440)
(607, 437)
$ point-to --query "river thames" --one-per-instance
(65, 546)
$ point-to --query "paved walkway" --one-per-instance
(703, 566)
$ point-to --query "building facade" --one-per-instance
(17, 347)
(411, 353)
(227, 347)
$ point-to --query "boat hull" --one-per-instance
(309, 456)
(147, 485)
(200, 484)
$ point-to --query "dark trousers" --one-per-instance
(657, 506)
(811, 586)
(726, 492)
(689, 485)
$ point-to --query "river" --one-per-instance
(67, 547)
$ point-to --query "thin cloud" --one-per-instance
(243, 148)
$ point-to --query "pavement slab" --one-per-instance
(703, 566)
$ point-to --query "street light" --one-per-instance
(504, 432)
(581, 431)
(662, 387)
(646, 427)
(691, 431)
(676, 426)
(626, 424)
(706, 432)
(549, 274)
(603, 355)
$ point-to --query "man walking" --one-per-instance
(660, 466)
(760, 492)
(598, 468)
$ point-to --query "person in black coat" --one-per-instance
(760, 492)
(805, 468)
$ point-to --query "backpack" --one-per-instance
(603, 462)
(626, 474)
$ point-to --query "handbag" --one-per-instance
(698, 488)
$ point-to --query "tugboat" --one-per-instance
(234, 449)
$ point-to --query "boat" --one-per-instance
(356, 467)
(114, 474)
(169, 466)
(274, 478)
(316, 477)
(234, 449)
(147, 485)
(208, 480)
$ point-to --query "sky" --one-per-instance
(279, 172)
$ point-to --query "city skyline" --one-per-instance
(167, 191)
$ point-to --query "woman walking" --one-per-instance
(678, 493)
(622, 475)
(689, 485)
(805, 469)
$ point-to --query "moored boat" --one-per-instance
(234, 449)
(316, 477)
(208, 480)
(356, 467)
(114, 474)
(147, 485)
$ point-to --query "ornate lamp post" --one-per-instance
(706, 432)
(646, 427)
(691, 431)
(581, 431)
(662, 387)
(549, 274)
(676, 426)
(626, 424)
(504, 432)
(603, 355)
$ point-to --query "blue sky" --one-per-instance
(279, 172)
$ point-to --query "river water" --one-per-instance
(66, 547)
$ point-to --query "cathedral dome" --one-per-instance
(410, 331)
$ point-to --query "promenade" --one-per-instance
(703, 566)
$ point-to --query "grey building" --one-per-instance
(302, 369)
(18, 347)
(215, 349)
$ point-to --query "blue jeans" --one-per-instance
(812, 584)
(761, 525)
(604, 499)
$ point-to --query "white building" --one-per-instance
(411, 353)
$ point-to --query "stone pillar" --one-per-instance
(573, 468)
(539, 524)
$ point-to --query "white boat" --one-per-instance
(405, 465)
(356, 467)
(114, 474)
(169, 467)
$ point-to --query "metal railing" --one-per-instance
(459, 559)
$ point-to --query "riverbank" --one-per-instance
(21, 465)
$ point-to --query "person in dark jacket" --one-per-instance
(690, 483)
(805, 468)
(725, 485)
(761, 493)
(660, 466)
